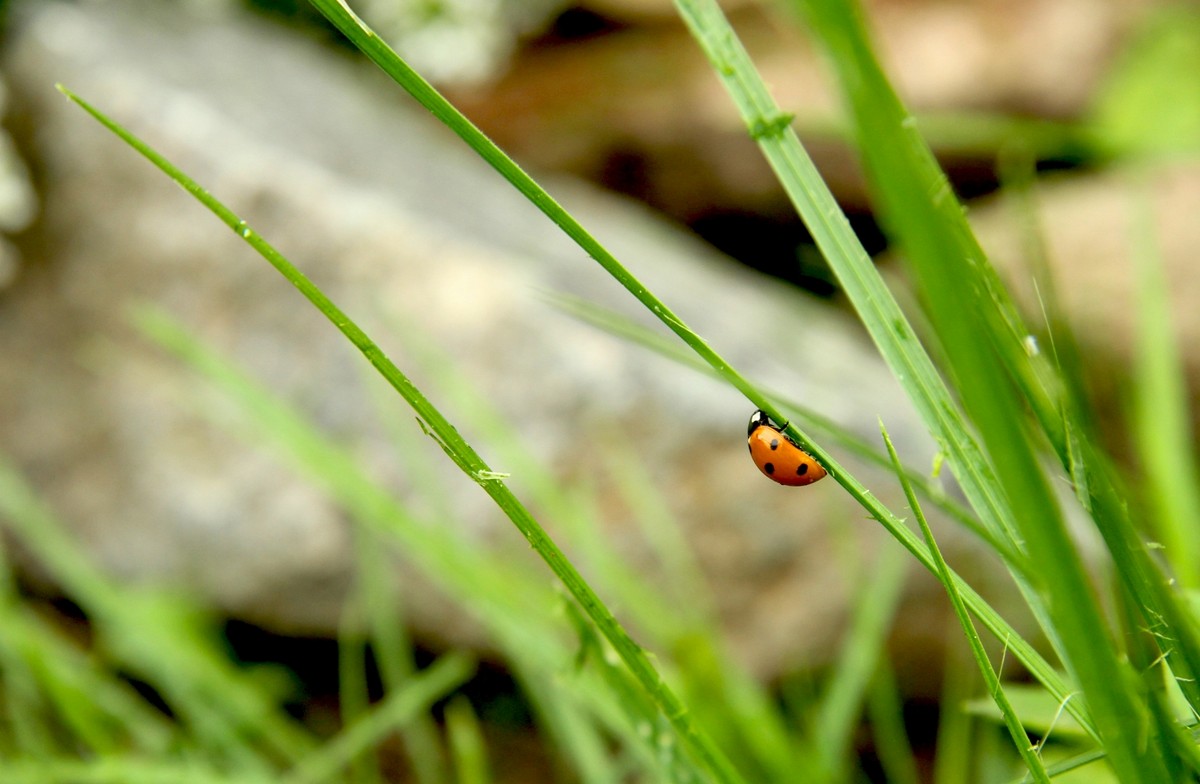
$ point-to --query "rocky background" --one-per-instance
(604, 101)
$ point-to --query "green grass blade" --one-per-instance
(1163, 420)
(467, 746)
(991, 679)
(398, 708)
(118, 770)
(1072, 432)
(837, 718)
(490, 481)
(380, 604)
(1066, 766)
(955, 745)
(980, 335)
(886, 714)
(353, 700)
(464, 456)
(513, 603)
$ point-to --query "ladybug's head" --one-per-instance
(760, 419)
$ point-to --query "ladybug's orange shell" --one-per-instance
(782, 461)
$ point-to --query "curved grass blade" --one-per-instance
(464, 456)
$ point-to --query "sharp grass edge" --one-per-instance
(463, 455)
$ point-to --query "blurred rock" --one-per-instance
(18, 204)
(640, 110)
(395, 220)
(457, 41)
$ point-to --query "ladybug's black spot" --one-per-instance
(774, 444)
(802, 470)
(769, 468)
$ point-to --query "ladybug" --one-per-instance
(780, 458)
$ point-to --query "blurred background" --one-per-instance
(1066, 126)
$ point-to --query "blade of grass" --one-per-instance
(672, 623)
(955, 743)
(118, 770)
(464, 456)
(840, 710)
(467, 746)
(393, 650)
(513, 603)
(573, 509)
(981, 336)
(580, 739)
(1011, 721)
(1096, 482)
(677, 622)
(397, 709)
(1164, 428)
(886, 714)
(101, 712)
(353, 700)
(880, 314)
(370, 44)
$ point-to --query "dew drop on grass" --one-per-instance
(1031, 345)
